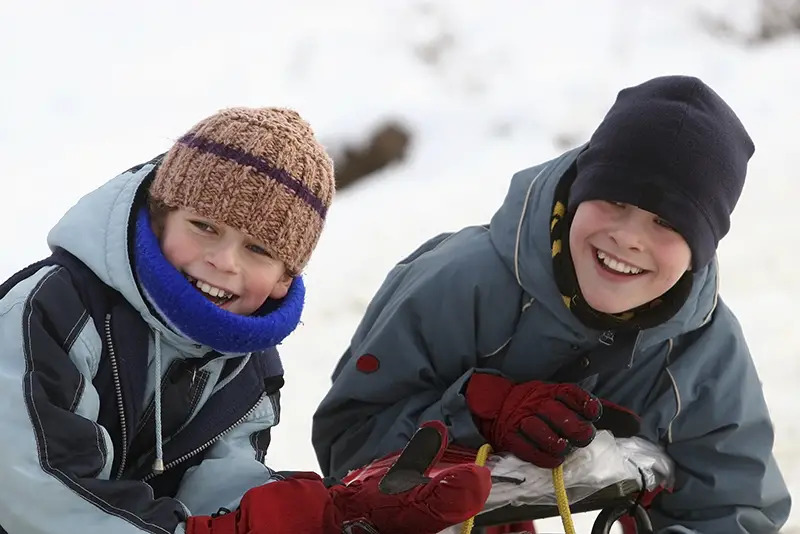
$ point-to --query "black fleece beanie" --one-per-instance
(673, 147)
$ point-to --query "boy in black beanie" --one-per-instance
(590, 302)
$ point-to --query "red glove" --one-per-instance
(539, 422)
(298, 504)
(399, 500)
(404, 500)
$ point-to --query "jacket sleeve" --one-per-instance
(408, 362)
(727, 481)
(233, 465)
(56, 460)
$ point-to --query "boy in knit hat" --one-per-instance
(139, 378)
(590, 302)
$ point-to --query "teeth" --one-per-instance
(616, 265)
(211, 290)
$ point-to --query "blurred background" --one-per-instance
(428, 107)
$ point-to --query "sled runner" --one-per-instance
(616, 502)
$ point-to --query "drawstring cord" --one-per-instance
(558, 485)
(158, 464)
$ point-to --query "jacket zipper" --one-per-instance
(207, 444)
(150, 409)
(118, 391)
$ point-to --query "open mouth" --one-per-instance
(616, 266)
(217, 295)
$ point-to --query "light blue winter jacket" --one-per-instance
(55, 458)
(485, 298)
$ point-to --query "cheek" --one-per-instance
(673, 261)
(578, 234)
(178, 249)
(260, 281)
(588, 219)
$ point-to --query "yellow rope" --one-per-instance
(480, 459)
(562, 500)
(558, 485)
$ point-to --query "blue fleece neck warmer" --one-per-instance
(191, 314)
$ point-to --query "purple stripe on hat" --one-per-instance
(260, 164)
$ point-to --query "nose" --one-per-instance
(222, 256)
(628, 233)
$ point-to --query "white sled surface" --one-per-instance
(606, 461)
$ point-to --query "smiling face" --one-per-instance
(624, 256)
(232, 270)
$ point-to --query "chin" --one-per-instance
(604, 305)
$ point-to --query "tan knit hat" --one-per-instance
(259, 170)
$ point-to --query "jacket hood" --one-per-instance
(101, 230)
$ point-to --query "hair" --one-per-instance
(158, 213)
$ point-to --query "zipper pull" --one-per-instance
(607, 338)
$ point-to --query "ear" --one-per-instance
(281, 287)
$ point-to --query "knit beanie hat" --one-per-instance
(258, 170)
(673, 147)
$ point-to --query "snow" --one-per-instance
(487, 88)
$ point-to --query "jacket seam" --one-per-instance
(276, 410)
(78, 393)
(23, 299)
(261, 454)
(11, 306)
(675, 389)
(525, 201)
(76, 330)
(41, 447)
(199, 392)
(101, 446)
(95, 360)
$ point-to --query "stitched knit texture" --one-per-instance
(258, 170)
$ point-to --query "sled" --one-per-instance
(616, 476)
(619, 502)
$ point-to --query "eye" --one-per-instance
(203, 227)
(664, 224)
(258, 250)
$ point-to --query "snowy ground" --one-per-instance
(487, 88)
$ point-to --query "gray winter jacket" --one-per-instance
(67, 461)
(484, 298)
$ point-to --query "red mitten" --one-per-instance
(397, 500)
(301, 503)
(402, 500)
(536, 421)
(540, 422)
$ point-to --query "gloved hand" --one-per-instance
(539, 422)
(397, 500)
(404, 500)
